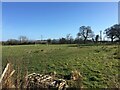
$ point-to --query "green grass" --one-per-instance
(97, 64)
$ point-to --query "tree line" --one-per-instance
(85, 35)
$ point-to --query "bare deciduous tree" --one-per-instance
(85, 33)
(23, 39)
(113, 32)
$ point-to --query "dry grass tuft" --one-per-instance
(11, 79)
(6, 80)
(75, 75)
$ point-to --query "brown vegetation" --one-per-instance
(33, 81)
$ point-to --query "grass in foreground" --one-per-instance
(97, 64)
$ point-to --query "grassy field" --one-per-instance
(97, 64)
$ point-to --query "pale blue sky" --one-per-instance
(55, 20)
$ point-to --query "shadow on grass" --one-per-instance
(91, 44)
(79, 45)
